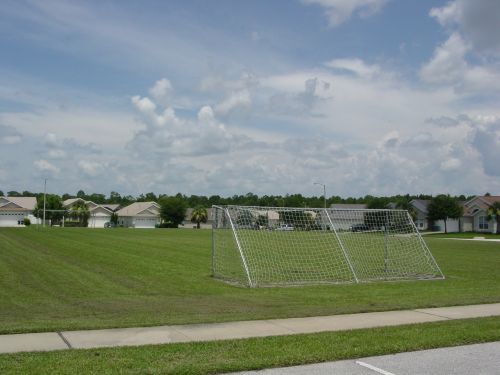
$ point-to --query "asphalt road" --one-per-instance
(478, 359)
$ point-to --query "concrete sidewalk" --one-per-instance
(234, 330)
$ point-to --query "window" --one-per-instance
(483, 222)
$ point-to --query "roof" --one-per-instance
(479, 204)
(69, 202)
(24, 203)
(140, 208)
(420, 204)
(112, 207)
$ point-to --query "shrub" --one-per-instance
(26, 222)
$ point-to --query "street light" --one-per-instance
(44, 195)
(324, 192)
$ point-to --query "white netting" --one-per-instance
(265, 246)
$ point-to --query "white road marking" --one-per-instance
(379, 370)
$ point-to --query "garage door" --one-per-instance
(10, 219)
(98, 221)
(145, 223)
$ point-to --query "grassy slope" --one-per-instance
(77, 278)
(235, 355)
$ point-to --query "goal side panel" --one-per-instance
(226, 260)
(384, 245)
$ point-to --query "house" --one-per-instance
(345, 215)
(139, 215)
(13, 211)
(100, 214)
(476, 214)
(423, 223)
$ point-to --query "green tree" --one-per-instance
(199, 215)
(444, 207)
(114, 218)
(53, 206)
(172, 210)
(494, 214)
(1, 193)
(81, 194)
(114, 198)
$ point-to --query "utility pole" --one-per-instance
(44, 199)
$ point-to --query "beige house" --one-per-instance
(139, 215)
(100, 214)
(13, 211)
(476, 214)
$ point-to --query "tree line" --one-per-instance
(249, 199)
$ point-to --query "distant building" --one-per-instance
(13, 211)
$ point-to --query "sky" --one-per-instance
(226, 97)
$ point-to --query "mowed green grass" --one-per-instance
(79, 278)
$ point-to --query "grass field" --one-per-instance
(78, 278)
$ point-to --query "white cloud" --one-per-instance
(477, 20)
(236, 100)
(355, 66)
(91, 168)
(340, 11)
(450, 164)
(447, 65)
(45, 166)
(162, 90)
(144, 105)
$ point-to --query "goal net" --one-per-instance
(271, 246)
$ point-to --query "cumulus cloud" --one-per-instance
(45, 166)
(340, 11)
(143, 104)
(91, 168)
(477, 20)
(447, 65)
(468, 60)
(162, 90)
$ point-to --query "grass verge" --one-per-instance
(237, 355)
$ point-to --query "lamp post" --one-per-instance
(44, 196)
(324, 192)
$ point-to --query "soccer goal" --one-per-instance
(272, 246)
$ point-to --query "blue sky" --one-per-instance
(222, 97)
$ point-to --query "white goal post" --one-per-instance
(273, 246)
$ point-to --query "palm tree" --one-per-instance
(494, 214)
(81, 212)
(199, 215)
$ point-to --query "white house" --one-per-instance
(345, 215)
(100, 214)
(13, 211)
(476, 214)
(139, 215)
